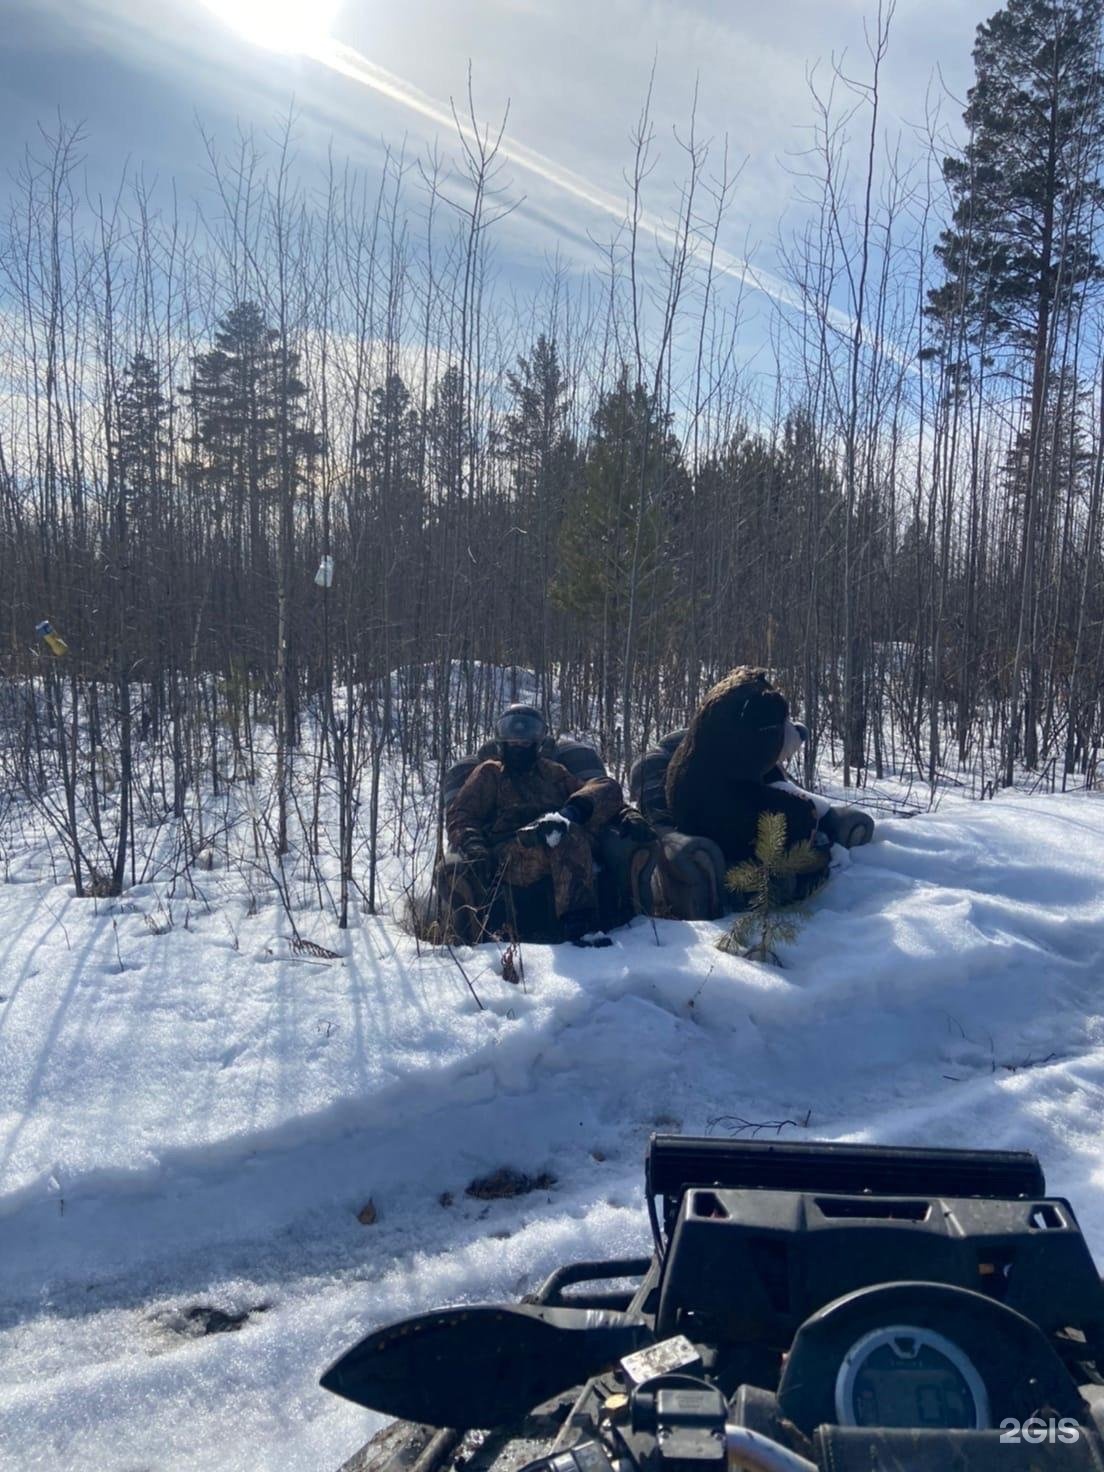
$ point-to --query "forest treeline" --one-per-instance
(900, 515)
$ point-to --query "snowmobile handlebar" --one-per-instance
(744, 1451)
(747, 1451)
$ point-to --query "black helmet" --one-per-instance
(521, 723)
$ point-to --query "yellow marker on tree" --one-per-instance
(54, 642)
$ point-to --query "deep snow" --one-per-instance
(195, 1118)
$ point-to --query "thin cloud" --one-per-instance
(351, 64)
(115, 24)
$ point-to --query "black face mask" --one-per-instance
(517, 759)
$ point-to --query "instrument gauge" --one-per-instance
(907, 1376)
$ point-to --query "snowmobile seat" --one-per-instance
(624, 865)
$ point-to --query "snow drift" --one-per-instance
(192, 1117)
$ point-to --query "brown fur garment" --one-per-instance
(715, 786)
(494, 804)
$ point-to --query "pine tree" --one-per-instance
(389, 459)
(250, 442)
(140, 434)
(1019, 253)
(543, 458)
(252, 450)
(386, 519)
(450, 450)
(1020, 247)
(617, 540)
(536, 439)
(763, 880)
(136, 472)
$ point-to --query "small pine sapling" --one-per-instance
(766, 881)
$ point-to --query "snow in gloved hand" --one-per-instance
(552, 827)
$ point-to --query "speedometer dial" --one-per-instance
(906, 1376)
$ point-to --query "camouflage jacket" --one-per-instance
(494, 804)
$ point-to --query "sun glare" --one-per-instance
(293, 26)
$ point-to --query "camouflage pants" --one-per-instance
(570, 865)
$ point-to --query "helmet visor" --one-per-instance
(522, 726)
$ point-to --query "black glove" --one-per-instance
(635, 826)
(548, 830)
(474, 848)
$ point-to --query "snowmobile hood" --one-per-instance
(477, 1366)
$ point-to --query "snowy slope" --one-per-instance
(194, 1118)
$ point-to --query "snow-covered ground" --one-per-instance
(192, 1118)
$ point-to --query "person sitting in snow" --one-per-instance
(520, 817)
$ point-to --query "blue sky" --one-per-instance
(142, 75)
(139, 72)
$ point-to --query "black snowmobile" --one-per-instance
(807, 1306)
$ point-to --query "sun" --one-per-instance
(292, 26)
